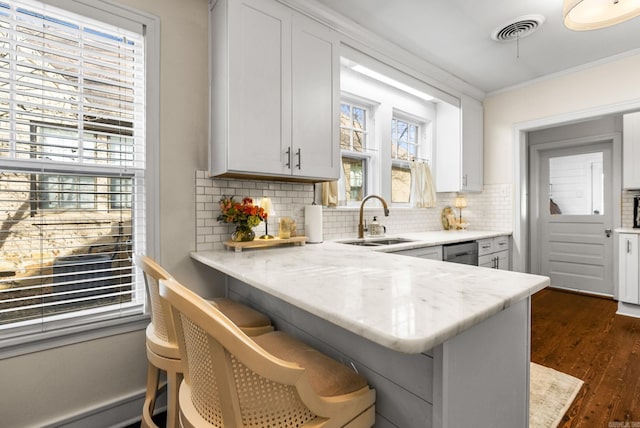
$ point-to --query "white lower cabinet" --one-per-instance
(628, 261)
(494, 252)
(432, 253)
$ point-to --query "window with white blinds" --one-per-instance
(72, 168)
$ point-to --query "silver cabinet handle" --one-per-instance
(607, 232)
(299, 158)
(628, 246)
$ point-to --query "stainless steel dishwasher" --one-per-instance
(461, 252)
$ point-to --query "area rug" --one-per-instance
(551, 394)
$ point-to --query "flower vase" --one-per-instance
(243, 233)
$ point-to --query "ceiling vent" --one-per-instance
(520, 27)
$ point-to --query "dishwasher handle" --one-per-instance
(465, 253)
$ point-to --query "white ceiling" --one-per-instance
(455, 35)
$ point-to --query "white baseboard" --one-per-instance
(118, 413)
(628, 309)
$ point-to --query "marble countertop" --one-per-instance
(404, 303)
(627, 230)
(425, 239)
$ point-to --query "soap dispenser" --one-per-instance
(376, 229)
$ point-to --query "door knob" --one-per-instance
(607, 232)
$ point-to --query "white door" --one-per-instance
(575, 218)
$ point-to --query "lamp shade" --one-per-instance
(265, 204)
(460, 202)
(582, 15)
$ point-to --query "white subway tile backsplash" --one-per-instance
(627, 207)
(490, 210)
(288, 199)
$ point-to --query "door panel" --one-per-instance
(259, 102)
(575, 201)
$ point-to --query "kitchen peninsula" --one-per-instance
(444, 344)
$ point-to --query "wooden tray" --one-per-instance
(262, 243)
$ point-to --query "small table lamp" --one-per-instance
(460, 203)
(265, 204)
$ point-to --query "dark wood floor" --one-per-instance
(582, 336)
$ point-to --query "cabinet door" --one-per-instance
(502, 260)
(259, 96)
(488, 261)
(631, 151)
(628, 288)
(459, 146)
(472, 144)
(448, 162)
(432, 253)
(315, 77)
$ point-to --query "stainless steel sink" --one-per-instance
(375, 242)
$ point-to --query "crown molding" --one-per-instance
(358, 37)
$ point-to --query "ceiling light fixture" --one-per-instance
(583, 15)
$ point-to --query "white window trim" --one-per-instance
(371, 154)
(105, 10)
(382, 112)
(424, 124)
(423, 146)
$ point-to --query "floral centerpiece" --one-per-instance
(245, 215)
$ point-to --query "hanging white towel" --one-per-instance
(423, 194)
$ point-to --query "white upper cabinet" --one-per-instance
(459, 146)
(316, 95)
(631, 151)
(472, 144)
(274, 93)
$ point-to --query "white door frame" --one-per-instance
(615, 140)
(520, 251)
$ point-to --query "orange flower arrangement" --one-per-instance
(241, 213)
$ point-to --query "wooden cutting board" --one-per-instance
(265, 243)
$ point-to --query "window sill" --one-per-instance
(43, 341)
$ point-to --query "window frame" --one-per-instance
(369, 153)
(75, 330)
(387, 101)
(422, 125)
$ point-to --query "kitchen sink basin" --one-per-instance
(376, 242)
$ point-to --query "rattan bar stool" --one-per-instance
(162, 348)
(271, 380)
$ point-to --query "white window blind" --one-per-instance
(72, 168)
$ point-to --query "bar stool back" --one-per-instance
(162, 347)
(271, 380)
